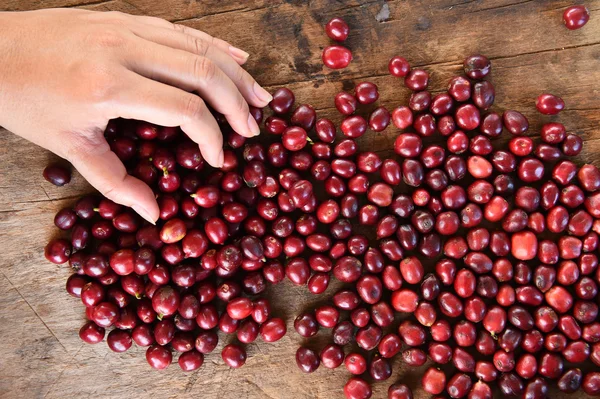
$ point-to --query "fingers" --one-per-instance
(239, 55)
(253, 93)
(164, 105)
(104, 170)
(194, 73)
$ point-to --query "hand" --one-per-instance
(65, 73)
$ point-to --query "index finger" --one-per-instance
(191, 72)
(238, 54)
(161, 104)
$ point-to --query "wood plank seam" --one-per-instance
(246, 9)
(132, 5)
(503, 6)
(503, 57)
(100, 2)
(200, 17)
(545, 51)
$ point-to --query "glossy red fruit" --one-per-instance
(399, 391)
(524, 245)
(165, 301)
(283, 101)
(402, 117)
(234, 356)
(345, 103)
(272, 330)
(368, 337)
(355, 363)
(57, 175)
(417, 80)
(91, 333)
(366, 92)
(591, 383)
(559, 299)
(332, 356)
(337, 29)
(533, 341)
(450, 305)
(336, 57)
(398, 67)
(307, 360)
(357, 388)
(576, 16)
(354, 126)
(459, 88)
(477, 66)
(57, 251)
(459, 386)
(551, 365)
(467, 117)
(191, 360)
(433, 381)
(549, 104)
(159, 357)
(379, 119)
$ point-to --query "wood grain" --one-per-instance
(41, 354)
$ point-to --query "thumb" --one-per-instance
(104, 170)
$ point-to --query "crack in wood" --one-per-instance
(366, 3)
(36, 313)
(92, 3)
(44, 190)
(77, 196)
(502, 6)
(461, 4)
(62, 371)
(545, 51)
(565, 7)
(582, 110)
(241, 10)
(131, 5)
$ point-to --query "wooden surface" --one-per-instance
(40, 352)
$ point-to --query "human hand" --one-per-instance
(65, 73)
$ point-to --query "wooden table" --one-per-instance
(532, 52)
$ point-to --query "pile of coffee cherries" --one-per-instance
(478, 255)
(509, 233)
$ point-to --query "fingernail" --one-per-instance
(262, 94)
(143, 213)
(221, 159)
(238, 53)
(253, 126)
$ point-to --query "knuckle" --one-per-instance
(241, 105)
(194, 108)
(110, 38)
(100, 82)
(240, 75)
(180, 28)
(205, 69)
(159, 21)
(114, 16)
(199, 46)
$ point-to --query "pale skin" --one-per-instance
(65, 73)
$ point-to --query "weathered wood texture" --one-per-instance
(41, 354)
